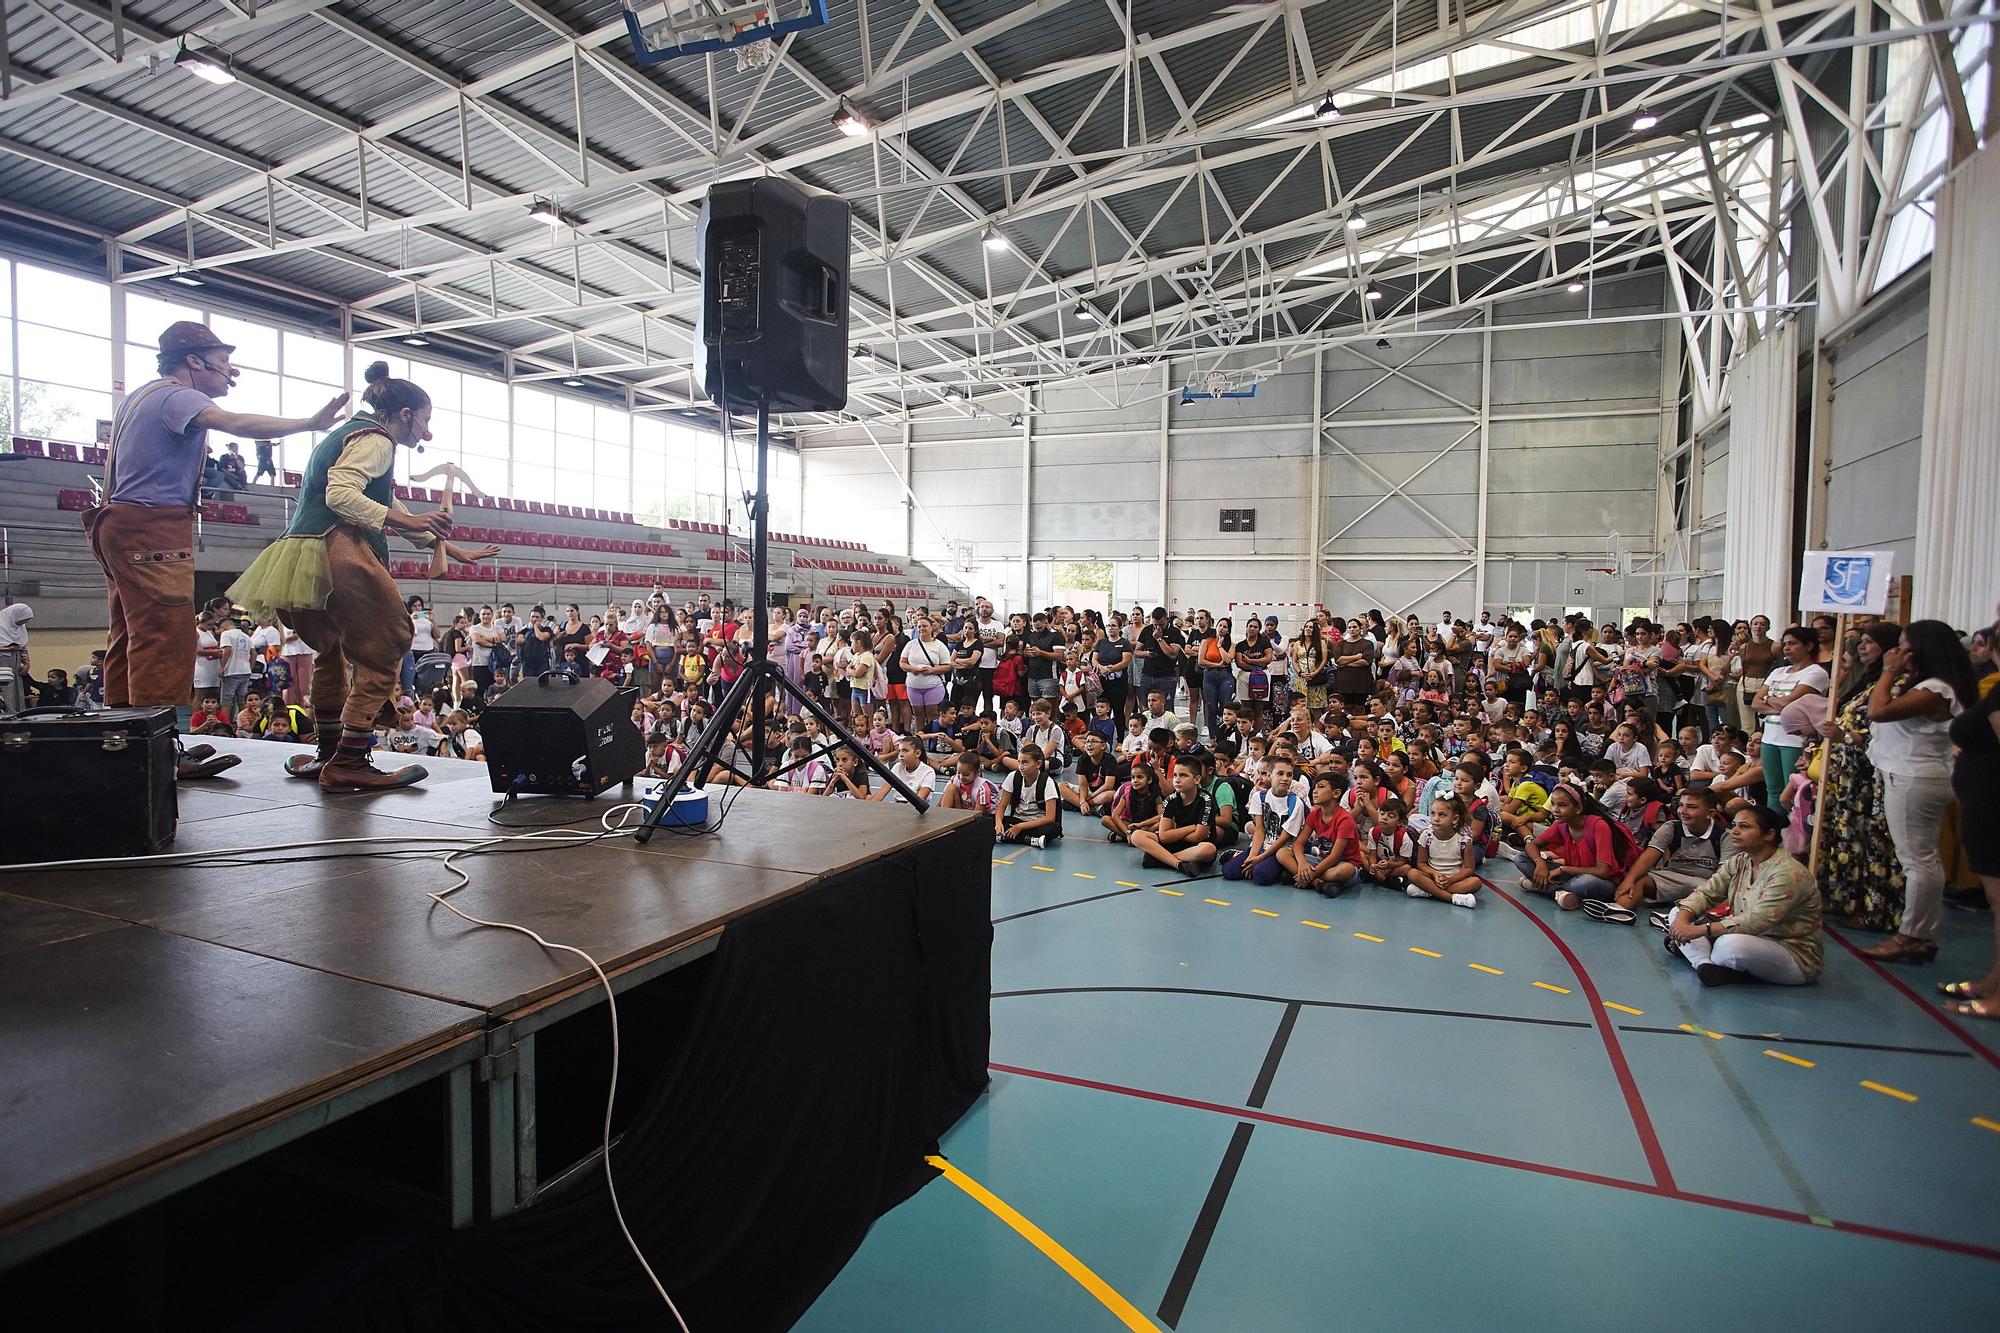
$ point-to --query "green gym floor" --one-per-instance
(1222, 1107)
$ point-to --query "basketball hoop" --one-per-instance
(663, 30)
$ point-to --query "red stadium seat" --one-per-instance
(74, 501)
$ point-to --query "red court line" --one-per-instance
(1973, 1043)
(1673, 1193)
(1656, 1156)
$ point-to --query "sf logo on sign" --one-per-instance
(1847, 579)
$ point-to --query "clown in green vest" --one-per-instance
(328, 578)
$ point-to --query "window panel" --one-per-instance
(612, 493)
(537, 449)
(440, 384)
(60, 412)
(574, 417)
(257, 391)
(6, 335)
(613, 426)
(146, 318)
(484, 397)
(255, 344)
(142, 365)
(61, 301)
(574, 485)
(614, 463)
(61, 357)
(302, 398)
(447, 433)
(532, 407)
(484, 439)
(534, 483)
(309, 358)
(362, 357)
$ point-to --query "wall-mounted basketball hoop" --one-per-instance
(663, 30)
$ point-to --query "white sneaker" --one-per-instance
(1039, 843)
(1416, 892)
(1464, 900)
(1568, 901)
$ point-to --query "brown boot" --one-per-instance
(342, 774)
(309, 765)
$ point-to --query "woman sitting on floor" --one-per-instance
(1771, 929)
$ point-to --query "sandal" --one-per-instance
(1961, 990)
(1987, 1008)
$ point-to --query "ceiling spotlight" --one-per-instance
(1600, 222)
(187, 279)
(1356, 221)
(863, 352)
(1085, 313)
(1328, 108)
(205, 65)
(1645, 120)
(1576, 286)
(851, 122)
(1382, 343)
(572, 384)
(994, 240)
(1017, 421)
(1374, 293)
(953, 391)
(416, 340)
(544, 211)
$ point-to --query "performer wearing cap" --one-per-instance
(328, 578)
(143, 532)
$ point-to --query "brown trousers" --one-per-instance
(364, 626)
(148, 560)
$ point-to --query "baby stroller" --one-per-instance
(433, 670)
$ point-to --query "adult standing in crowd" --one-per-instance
(143, 532)
(1860, 879)
(1910, 745)
(1354, 667)
(1755, 654)
(14, 620)
(1800, 678)
(1159, 652)
(1975, 780)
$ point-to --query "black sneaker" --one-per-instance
(1715, 974)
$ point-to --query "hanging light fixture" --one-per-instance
(573, 383)
(1328, 108)
(1644, 121)
(416, 340)
(545, 211)
(1356, 220)
(1085, 313)
(863, 352)
(851, 122)
(1374, 293)
(1576, 286)
(1601, 221)
(187, 279)
(205, 65)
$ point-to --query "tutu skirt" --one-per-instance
(290, 574)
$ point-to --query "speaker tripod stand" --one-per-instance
(763, 679)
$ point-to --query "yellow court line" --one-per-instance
(1171, 893)
(1217, 901)
(1041, 1240)
(1316, 925)
(1625, 1009)
(1261, 912)
(1425, 952)
(1560, 990)
(998, 862)
(1700, 1032)
(1984, 1123)
(1888, 1091)
(1372, 939)
(1790, 1059)
(1046, 870)
(1490, 971)
(1078, 874)
(1124, 883)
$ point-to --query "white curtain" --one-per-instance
(1958, 483)
(1757, 532)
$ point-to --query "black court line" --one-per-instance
(1093, 898)
(1185, 878)
(1174, 1303)
(1287, 1000)
(1815, 1041)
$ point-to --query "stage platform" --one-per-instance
(162, 1024)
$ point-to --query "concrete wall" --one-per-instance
(1572, 436)
(1878, 426)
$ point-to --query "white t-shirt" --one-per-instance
(922, 779)
(266, 637)
(1029, 801)
(423, 633)
(1276, 812)
(241, 650)
(918, 653)
(482, 638)
(989, 656)
(1779, 686)
(1915, 747)
(1447, 855)
(207, 670)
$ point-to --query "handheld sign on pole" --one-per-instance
(1846, 583)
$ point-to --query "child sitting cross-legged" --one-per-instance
(1276, 816)
(1447, 865)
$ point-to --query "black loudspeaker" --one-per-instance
(772, 326)
(560, 736)
(79, 783)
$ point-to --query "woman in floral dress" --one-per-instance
(1860, 880)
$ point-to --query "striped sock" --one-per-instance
(326, 730)
(353, 747)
